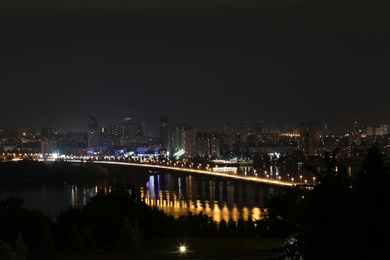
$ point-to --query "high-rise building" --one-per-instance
(115, 133)
(229, 135)
(208, 144)
(244, 132)
(140, 136)
(190, 144)
(164, 131)
(128, 132)
(228, 128)
(9, 136)
(215, 145)
(48, 146)
(202, 144)
(48, 132)
(48, 143)
(355, 135)
(259, 132)
(309, 138)
(93, 133)
(179, 137)
(228, 139)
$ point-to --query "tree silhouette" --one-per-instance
(283, 213)
(343, 217)
(231, 227)
(250, 229)
(241, 228)
(20, 249)
(328, 210)
(371, 190)
(74, 243)
(130, 237)
(89, 238)
(222, 228)
(46, 248)
(6, 250)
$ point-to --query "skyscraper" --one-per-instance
(179, 136)
(310, 137)
(190, 145)
(128, 132)
(48, 143)
(48, 132)
(259, 132)
(244, 132)
(355, 137)
(93, 133)
(140, 136)
(164, 131)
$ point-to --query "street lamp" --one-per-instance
(182, 249)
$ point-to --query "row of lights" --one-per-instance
(199, 167)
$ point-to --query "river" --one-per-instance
(174, 193)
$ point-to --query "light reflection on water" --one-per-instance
(176, 194)
(220, 199)
(172, 196)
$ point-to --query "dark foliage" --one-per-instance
(100, 222)
(344, 217)
(30, 226)
(116, 221)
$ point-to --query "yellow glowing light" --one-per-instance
(182, 249)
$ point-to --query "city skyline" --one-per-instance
(201, 63)
(252, 127)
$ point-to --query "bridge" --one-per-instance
(225, 172)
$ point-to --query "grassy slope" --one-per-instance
(198, 247)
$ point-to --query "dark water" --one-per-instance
(174, 193)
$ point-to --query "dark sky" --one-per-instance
(201, 63)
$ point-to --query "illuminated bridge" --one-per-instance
(224, 172)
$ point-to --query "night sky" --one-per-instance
(201, 63)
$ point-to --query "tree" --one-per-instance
(222, 228)
(250, 227)
(11, 212)
(74, 242)
(283, 213)
(130, 237)
(46, 248)
(343, 217)
(371, 190)
(241, 227)
(89, 238)
(6, 250)
(328, 212)
(20, 249)
(232, 227)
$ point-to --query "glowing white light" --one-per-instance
(182, 249)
